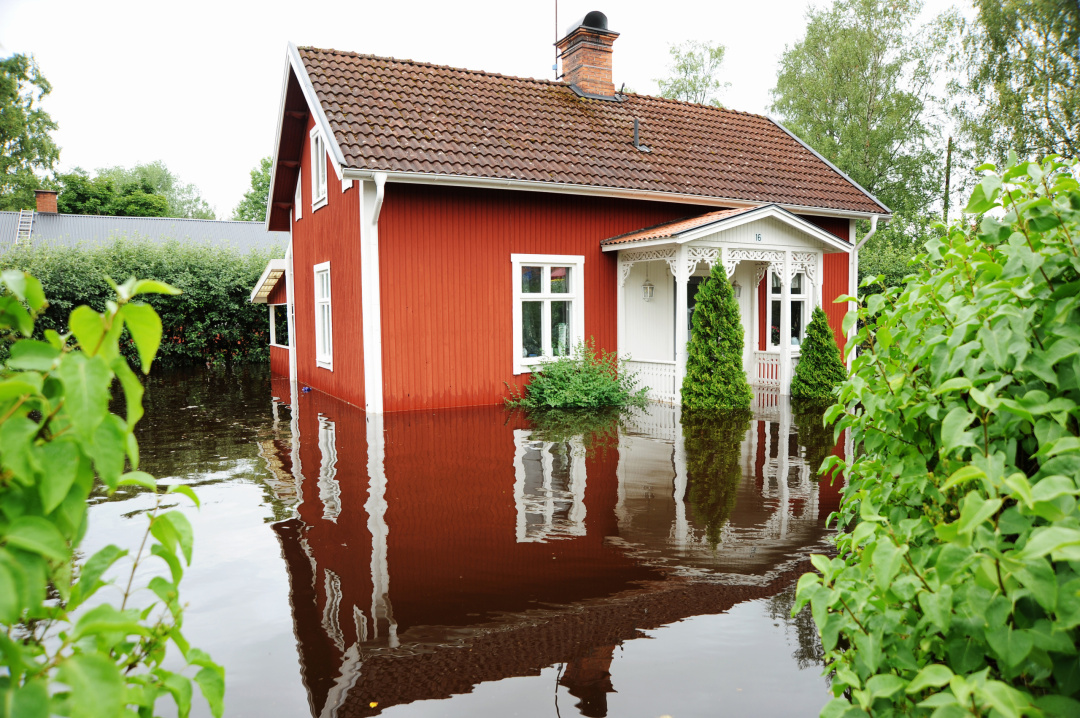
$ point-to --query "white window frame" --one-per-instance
(298, 200)
(324, 360)
(806, 296)
(318, 169)
(576, 297)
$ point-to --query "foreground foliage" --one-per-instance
(587, 379)
(820, 369)
(73, 643)
(715, 378)
(211, 322)
(956, 588)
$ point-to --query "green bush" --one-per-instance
(587, 379)
(212, 321)
(820, 369)
(956, 587)
(63, 649)
(715, 378)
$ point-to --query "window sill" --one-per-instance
(280, 346)
(329, 366)
(319, 203)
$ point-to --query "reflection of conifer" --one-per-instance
(816, 438)
(713, 445)
(715, 378)
(820, 368)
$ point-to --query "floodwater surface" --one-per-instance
(468, 563)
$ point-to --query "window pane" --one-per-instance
(560, 329)
(560, 280)
(775, 283)
(796, 284)
(774, 324)
(531, 280)
(796, 323)
(531, 329)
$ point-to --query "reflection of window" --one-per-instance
(331, 618)
(548, 307)
(799, 298)
(324, 325)
(329, 488)
(549, 492)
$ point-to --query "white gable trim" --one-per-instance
(336, 156)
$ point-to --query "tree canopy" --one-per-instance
(146, 190)
(26, 145)
(693, 73)
(252, 207)
(183, 198)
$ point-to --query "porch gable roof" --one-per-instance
(685, 230)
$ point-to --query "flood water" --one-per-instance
(466, 563)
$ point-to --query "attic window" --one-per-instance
(318, 169)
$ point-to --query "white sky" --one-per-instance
(197, 83)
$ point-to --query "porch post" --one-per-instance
(785, 326)
(755, 328)
(681, 333)
(620, 308)
(819, 281)
(273, 325)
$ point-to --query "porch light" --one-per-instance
(647, 288)
(737, 288)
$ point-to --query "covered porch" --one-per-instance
(776, 262)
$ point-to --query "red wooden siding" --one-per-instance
(834, 285)
(444, 258)
(329, 234)
(837, 226)
(279, 361)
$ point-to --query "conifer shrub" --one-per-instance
(715, 378)
(589, 378)
(820, 369)
(955, 588)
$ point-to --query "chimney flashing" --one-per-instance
(590, 96)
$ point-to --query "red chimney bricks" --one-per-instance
(46, 200)
(586, 60)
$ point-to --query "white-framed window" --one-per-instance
(318, 169)
(324, 318)
(800, 303)
(298, 200)
(549, 307)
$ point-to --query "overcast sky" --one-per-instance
(197, 83)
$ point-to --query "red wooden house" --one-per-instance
(451, 227)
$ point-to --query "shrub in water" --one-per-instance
(955, 590)
(715, 378)
(587, 379)
(820, 369)
(64, 650)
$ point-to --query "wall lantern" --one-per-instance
(647, 288)
(737, 288)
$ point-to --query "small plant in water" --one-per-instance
(65, 649)
(587, 379)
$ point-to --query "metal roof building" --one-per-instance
(87, 229)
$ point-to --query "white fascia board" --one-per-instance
(274, 265)
(316, 108)
(589, 190)
(277, 143)
(836, 169)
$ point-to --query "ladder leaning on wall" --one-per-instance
(26, 225)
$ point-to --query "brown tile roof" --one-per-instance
(671, 229)
(404, 116)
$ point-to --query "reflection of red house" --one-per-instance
(430, 207)
(408, 558)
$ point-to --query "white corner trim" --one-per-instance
(371, 201)
(524, 365)
(290, 316)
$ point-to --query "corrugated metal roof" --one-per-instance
(88, 229)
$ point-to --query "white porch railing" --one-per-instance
(658, 377)
(765, 372)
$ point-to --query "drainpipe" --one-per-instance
(853, 277)
(290, 312)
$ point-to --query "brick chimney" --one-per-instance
(46, 200)
(586, 57)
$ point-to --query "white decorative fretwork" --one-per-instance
(694, 255)
(629, 259)
(805, 262)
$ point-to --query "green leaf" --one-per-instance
(1049, 539)
(184, 534)
(109, 449)
(86, 391)
(953, 429)
(955, 384)
(59, 461)
(95, 684)
(974, 510)
(133, 391)
(884, 685)
(150, 286)
(138, 478)
(15, 281)
(938, 606)
(12, 590)
(30, 700)
(35, 534)
(934, 675)
(15, 388)
(963, 475)
(212, 684)
(88, 328)
(1005, 699)
(849, 321)
(887, 559)
(32, 355)
(1011, 645)
(169, 557)
(190, 493)
(180, 688)
(145, 327)
(91, 573)
(106, 619)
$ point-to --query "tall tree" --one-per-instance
(693, 73)
(858, 88)
(1020, 64)
(26, 146)
(252, 207)
(82, 194)
(183, 198)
